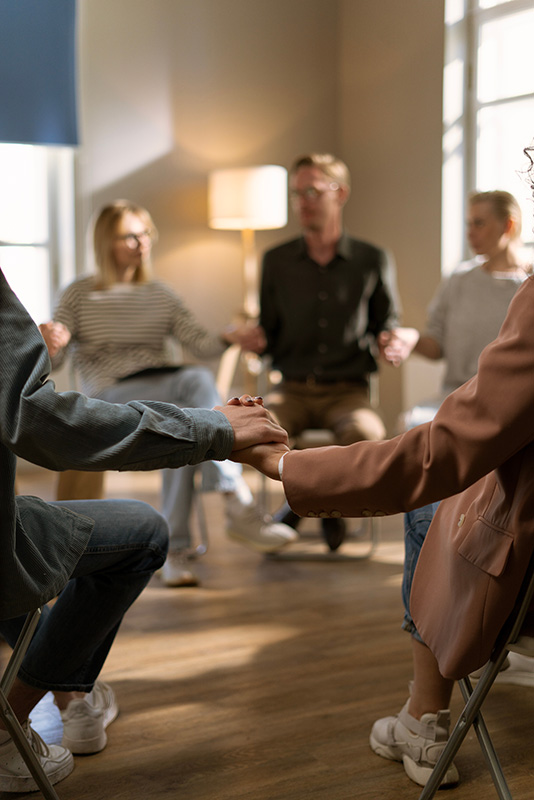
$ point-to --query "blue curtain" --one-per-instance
(38, 72)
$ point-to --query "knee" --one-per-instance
(363, 426)
(152, 533)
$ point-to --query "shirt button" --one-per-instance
(323, 348)
(461, 520)
(323, 323)
(323, 295)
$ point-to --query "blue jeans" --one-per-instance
(186, 387)
(416, 525)
(128, 543)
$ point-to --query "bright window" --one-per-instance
(488, 111)
(36, 222)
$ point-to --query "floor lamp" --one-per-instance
(248, 199)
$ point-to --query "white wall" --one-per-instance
(390, 119)
(173, 88)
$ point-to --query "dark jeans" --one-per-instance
(128, 543)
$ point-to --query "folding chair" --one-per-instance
(510, 638)
(6, 712)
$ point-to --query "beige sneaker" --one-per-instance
(517, 670)
(176, 572)
(56, 761)
(417, 743)
(85, 720)
(247, 526)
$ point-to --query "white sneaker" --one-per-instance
(15, 776)
(246, 525)
(517, 670)
(417, 743)
(85, 720)
(176, 572)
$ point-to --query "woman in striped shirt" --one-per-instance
(117, 326)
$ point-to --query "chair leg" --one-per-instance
(14, 729)
(486, 745)
(9, 719)
(203, 545)
(466, 719)
(330, 555)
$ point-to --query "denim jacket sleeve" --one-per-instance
(67, 430)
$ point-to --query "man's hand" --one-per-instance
(249, 337)
(396, 345)
(56, 336)
(252, 423)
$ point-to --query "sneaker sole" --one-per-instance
(383, 750)
(415, 772)
(20, 783)
(257, 546)
(421, 775)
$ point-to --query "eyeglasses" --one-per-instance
(134, 240)
(312, 192)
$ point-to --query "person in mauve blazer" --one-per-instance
(477, 457)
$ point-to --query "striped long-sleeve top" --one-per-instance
(125, 329)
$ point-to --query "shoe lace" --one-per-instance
(37, 744)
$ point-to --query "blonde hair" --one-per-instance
(504, 205)
(104, 233)
(327, 163)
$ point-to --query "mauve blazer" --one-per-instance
(40, 544)
(478, 453)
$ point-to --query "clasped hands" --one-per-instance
(258, 440)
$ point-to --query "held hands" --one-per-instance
(259, 440)
(249, 337)
(396, 345)
(56, 336)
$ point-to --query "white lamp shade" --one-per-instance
(248, 198)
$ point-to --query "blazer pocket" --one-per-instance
(487, 547)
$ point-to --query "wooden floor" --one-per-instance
(263, 684)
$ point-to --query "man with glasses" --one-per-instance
(325, 297)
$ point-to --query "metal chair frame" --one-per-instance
(474, 698)
(7, 715)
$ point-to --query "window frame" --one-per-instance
(462, 37)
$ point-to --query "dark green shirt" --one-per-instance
(322, 322)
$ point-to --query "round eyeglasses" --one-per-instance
(135, 240)
(312, 192)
